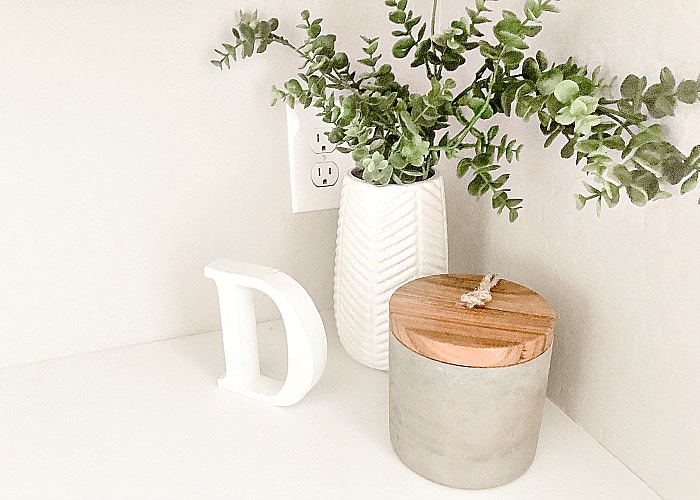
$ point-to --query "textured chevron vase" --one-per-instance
(387, 236)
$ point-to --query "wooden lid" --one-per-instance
(427, 316)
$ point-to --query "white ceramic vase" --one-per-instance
(387, 236)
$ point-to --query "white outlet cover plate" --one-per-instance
(302, 123)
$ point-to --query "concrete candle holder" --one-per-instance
(467, 385)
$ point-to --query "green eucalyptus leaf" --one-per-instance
(652, 133)
(621, 174)
(690, 183)
(264, 28)
(637, 196)
(585, 85)
(402, 47)
(549, 80)
(487, 113)
(580, 201)
(340, 60)
(510, 17)
(687, 91)
(482, 160)
(463, 166)
(247, 32)
(629, 89)
(674, 168)
(492, 132)
(502, 179)
(541, 60)
(650, 157)
(694, 156)
(552, 136)
(314, 30)
(478, 186)
(293, 87)
(568, 150)
(359, 154)
(667, 79)
(566, 90)
(368, 61)
(397, 17)
(513, 214)
(488, 51)
(612, 193)
(248, 48)
(661, 195)
(663, 106)
(587, 146)
(655, 91)
(499, 199)
(514, 202)
(371, 48)
(411, 23)
(614, 142)
(512, 59)
(531, 69)
(591, 189)
(531, 30)
(511, 39)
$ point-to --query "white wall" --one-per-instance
(626, 286)
(129, 163)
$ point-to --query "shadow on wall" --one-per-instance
(466, 224)
(573, 316)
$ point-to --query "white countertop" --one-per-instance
(148, 421)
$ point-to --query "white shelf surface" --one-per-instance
(148, 421)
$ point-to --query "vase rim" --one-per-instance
(350, 174)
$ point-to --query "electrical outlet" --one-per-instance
(324, 174)
(320, 143)
(316, 167)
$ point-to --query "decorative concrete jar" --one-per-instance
(467, 385)
(387, 236)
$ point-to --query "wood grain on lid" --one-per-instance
(427, 316)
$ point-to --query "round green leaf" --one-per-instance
(687, 91)
(402, 47)
(397, 16)
(637, 196)
(565, 91)
(549, 81)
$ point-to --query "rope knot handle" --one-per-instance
(481, 294)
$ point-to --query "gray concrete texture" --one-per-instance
(465, 427)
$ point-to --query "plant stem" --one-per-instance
(432, 19)
(468, 89)
(340, 83)
(617, 118)
(477, 116)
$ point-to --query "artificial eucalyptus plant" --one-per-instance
(396, 135)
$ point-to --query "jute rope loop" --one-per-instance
(481, 294)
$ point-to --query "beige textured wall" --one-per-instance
(626, 286)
